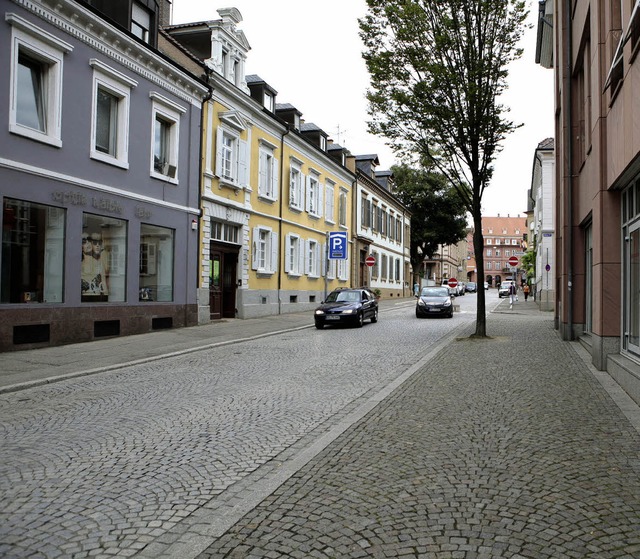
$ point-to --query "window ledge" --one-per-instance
(229, 183)
(164, 178)
(99, 156)
(35, 135)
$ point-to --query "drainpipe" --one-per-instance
(205, 100)
(569, 150)
(281, 179)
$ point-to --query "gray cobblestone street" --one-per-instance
(401, 439)
(499, 448)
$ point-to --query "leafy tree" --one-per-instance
(438, 217)
(437, 69)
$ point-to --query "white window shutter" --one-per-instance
(287, 254)
(243, 176)
(307, 205)
(219, 134)
(274, 178)
(274, 252)
(262, 173)
(254, 248)
(292, 197)
(318, 260)
(307, 260)
(301, 245)
(323, 259)
(320, 200)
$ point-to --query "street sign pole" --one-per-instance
(326, 266)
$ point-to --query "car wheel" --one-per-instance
(451, 313)
(418, 315)
(374, 316)
(360, 322)
(319, 325)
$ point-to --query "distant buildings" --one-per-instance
(504, 237)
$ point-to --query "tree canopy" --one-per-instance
(437, 71)
(438, 217)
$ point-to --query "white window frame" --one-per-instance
(117, 84)
(169, 112)
(237, 176)
(296, 189)
(264, 253)
(312, 250)
(267, 172)
(48, 51)
(314, 194)
(342, 207)
(294, 256)
(329, 201)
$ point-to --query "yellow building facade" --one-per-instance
(270, 190)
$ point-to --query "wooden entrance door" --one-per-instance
(229, 271)
(222, 281)
(215, 285)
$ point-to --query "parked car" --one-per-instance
(347, 306)
(504, 288)
(434, 301)
(486, 285)
(461, 288)
(471, 287)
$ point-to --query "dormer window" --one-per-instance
(269, 102)
(140, 22)
(323, 143)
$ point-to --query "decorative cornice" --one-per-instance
(78, 22)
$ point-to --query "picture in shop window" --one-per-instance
(102, 265)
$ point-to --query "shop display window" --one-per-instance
(156, 263)
(33, 238)
(103, 265)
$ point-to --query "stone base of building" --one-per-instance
(32, 327)
(626, 373)
(259, 303)
(546, 300)
(606, 356)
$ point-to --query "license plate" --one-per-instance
(329, 317)
(434, 310)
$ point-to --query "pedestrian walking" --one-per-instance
(513, 294)
(525, 290)
(416, 289)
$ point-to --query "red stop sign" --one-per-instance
(513, 261)
(370, 261)
(453, 282)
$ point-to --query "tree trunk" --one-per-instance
(478, 249)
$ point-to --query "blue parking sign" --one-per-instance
(338, 245)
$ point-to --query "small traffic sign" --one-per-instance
(513, 261)
(370, 261)
(453, 282)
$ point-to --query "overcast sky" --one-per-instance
(310, 53)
